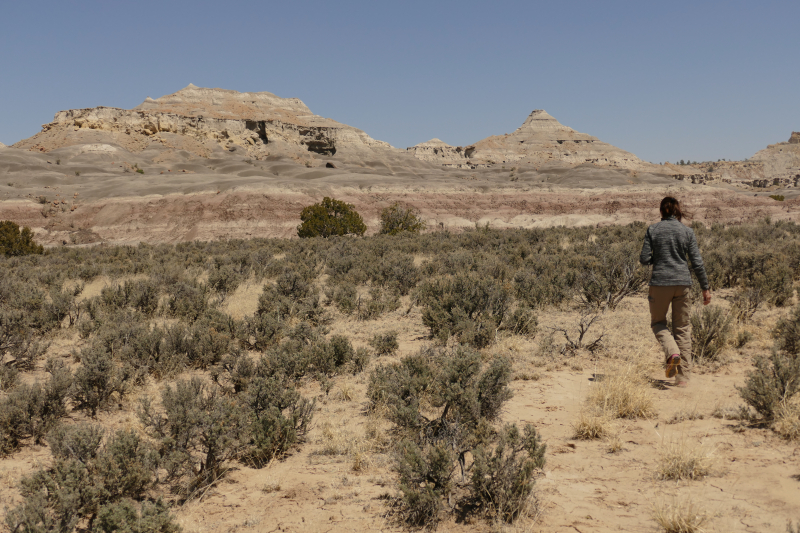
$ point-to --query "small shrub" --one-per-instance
(612, 276)
(198, 432)
(522, 321)
(502, 479)
(774, 378)
(96, 380)
(787, 333)
(742, 338)
(380, 301)
(328, 218)
(591, 426)
(30, 411)
(188, 300)
(280, 419)
(344, 296)
(125, 517)
(777, 197)
(425, 478)
(710, 332)
(397, 219)
(16, 242)
(384, 343)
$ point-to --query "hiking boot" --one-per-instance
(673, 364)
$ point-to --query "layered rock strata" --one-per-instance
(260, 123)
(540, 140)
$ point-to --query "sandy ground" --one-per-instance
(334, 482)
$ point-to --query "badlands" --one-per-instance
(217, 165)
(213, 163)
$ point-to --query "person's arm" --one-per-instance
(646, 257)
(699, 268)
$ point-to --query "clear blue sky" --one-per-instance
(674, 80)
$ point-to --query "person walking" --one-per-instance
(670, 246)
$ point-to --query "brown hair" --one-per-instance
(671, 207)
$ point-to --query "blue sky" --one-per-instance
(674, 80)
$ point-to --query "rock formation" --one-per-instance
(794, 138)
(260, 123)
(439, 152)
(541, 139)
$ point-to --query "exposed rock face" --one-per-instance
(438, 151)
(261, 123)
(541, 139)
(794, 138)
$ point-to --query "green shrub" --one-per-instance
(198, 432)
(124, 517)
(280, 419)
(380, 301)
(344, 296)
(787, 333)
(328, 218)
(613, 274)
(465, 306)
(710, 332)
(774, 379)
(30, 411)
(384, 343)
(397, 219)
(85, 480)
(16, 242)
(502, 478)
(522, 321)
(188, 300)
(96, 380)
(425, 478)
(778, 197)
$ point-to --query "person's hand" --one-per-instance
(706, 297)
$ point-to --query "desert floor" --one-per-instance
(336, 480)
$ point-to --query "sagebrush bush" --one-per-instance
(30, 411)
(397, 219)
(384, 343)
(198, 430)
(613, 274)
(280, 419)
(97, 379)
(85, 478)
(774, 379)
(502, 478)
(465, 306)
(424, 479)
(710, 332)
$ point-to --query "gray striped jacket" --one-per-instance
(667, 246)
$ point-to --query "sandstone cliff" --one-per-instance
(540, 140)
(260, 123)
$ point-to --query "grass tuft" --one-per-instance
(680, 516)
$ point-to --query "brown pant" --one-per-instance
(679, 341)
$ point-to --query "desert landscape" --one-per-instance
(178, 359)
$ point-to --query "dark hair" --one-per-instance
(671, 207)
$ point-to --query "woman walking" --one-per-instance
(670, 246)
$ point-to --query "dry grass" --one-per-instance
(591, 425)
(787, 419)
(680, 516)
(685, 414)
(361, 449)
(623, 393)
(681, 460)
